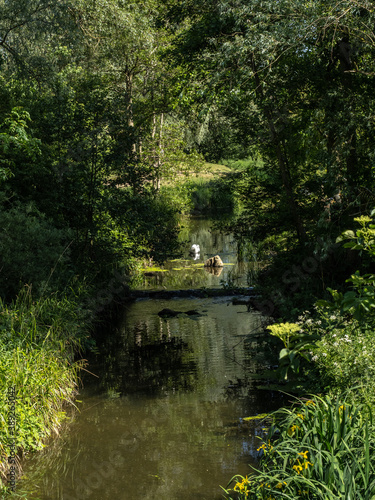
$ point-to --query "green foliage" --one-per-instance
(32, 251)
(344, 356)
(200, 195)
(298, 344)
(334, 352)
(38, 345)
(15, 144)
(360, 301)
(178, 195)
(319, 448)
(211, 196)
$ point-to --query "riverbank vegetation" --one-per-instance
(39, 344)
(323, 446)
(109, 112)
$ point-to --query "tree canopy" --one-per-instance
(99, 101)
(295, 79)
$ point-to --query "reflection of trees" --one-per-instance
(172, 448)
(146, 359)
(175, 425)
(157, 367)
(154, 355)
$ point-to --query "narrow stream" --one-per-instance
(162, 418)
(188, 271)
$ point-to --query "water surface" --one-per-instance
(162, 417)
(189, 271)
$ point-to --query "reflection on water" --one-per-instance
(188, 272)
(162, 421)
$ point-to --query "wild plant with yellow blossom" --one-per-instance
(319, 448)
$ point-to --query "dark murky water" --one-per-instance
(162, 419)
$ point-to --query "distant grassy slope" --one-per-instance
(214, 169)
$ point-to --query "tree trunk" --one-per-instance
(154, 154)
(129, 94)
(160, 148)
(157, 149)
(346, 66)
(281, 160)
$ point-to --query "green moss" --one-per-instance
(154, 269)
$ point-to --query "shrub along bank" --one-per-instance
(323, 446)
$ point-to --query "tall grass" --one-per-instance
(37, 347)
(318, 449)
(59, 322)
(251, 162)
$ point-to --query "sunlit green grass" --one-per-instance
(37, 347)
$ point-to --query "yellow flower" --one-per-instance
(310, 403)
(298, 468)
(299, 415)
(280, 485)
(264, 446)
(292, 429)
(341, 411)
(304, 454)
(239, 487)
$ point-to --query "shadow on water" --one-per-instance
(162, 417)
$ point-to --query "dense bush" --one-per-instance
(32, 250)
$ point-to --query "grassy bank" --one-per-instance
(39, 374)
(203, 193)
(322, 447)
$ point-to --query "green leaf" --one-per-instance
(345, 235)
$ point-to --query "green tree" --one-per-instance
(295, 79)
(15, 143)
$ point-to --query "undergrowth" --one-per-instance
(324, 446)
